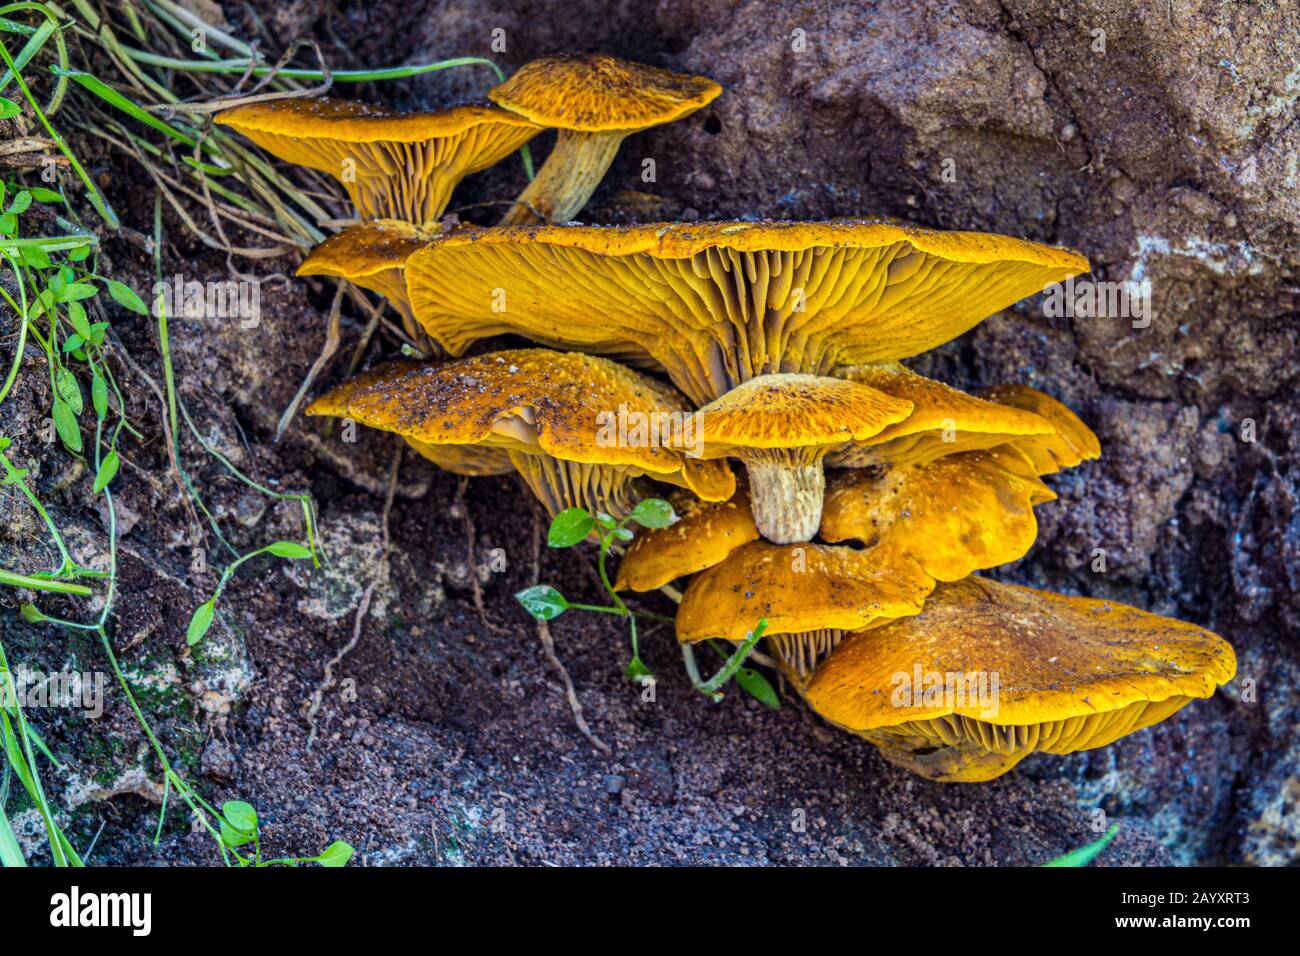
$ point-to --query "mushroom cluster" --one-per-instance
(869, 496)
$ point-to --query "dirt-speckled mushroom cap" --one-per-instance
(598, 93)
(798, 588)
(1071, 674)
(944, 421)
(704, 534)
(531, 401)
(966, 512)
(594, 102)
(393, 165)
(1069, 443)
(372, 255)
(716, 304)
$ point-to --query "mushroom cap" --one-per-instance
(403, 165)
(1058, 658)
(363, 250)
(715, 304)
(704, 534)
(529, 400)
(597, 93)
(966, 512)
(944, 420)
(1070, 442)
(788, 411)
(798, 588)
(304, 119)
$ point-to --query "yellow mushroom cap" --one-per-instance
(402, 165)
(781, 426)
(715, 304)
(798, 588)
(790, 411)
(944, 420)
(529, 400)
(1072, 674)
(966, 512)
(597, 93)
(704, 534)
(1070, 442)
(365, 250)
(373, 255)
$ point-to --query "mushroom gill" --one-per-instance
(716, 304)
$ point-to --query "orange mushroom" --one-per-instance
(594, 102)
(544, 409)
(988, 673)
(393, 165)
(781, 426)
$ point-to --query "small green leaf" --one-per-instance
(289, 549)
(336, 854)
(71, 344)
(35, 256)
(240, 815)
(42, 303)
(69, 390)
(75, 291)
(77, 316)
(41, 194)
(126, 297)
(99, 394)
(622, 534)
(543, 602)
(65, 423)
(79, 254)
(605, 521)
(8, 223)
(653, 513)
(9, 109)
(238, 823)
(21, 202)
(569, 527)
(757, 686)
(200, 622)
(107, 471)
(1085, 854)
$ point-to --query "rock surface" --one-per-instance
(1162, 139)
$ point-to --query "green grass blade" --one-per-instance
(11, 854)
(1085, 854)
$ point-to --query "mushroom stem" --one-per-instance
(785, 491)
(567, 179)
